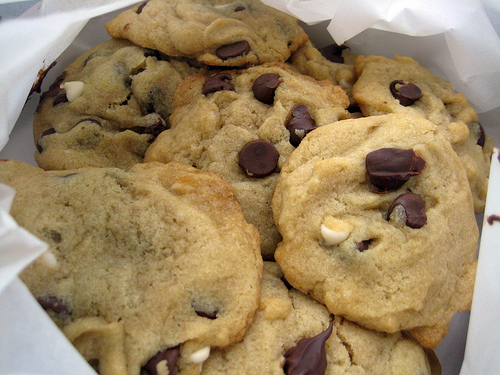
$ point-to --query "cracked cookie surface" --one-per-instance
(106, 107)
(221, 33)
(378, 223)
(156, 262)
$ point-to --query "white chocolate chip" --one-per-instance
(73, 89)
(201, 355)
(334, 231)
(49, 259)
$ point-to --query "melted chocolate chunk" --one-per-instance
(61, 98)
(308, 356)
(264, 87)
(228, 51)
(482, 135)
(492, 218)
(390, 168)
(363, 245)
(55, 304)
(406, 93)
(414, 207)
(37, 86)
(210, 315)
(218, 82)
(49, 131)
(141, 7)
(299, 124)
(239, 8)
(333, 53)
(169, 355)
(258, 158)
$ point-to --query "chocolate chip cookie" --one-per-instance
(107, 107)
(402, 85)
(378, 224)
(242, 125)
(145, 267)
(293, 334)
(332, 62)
(221, 33)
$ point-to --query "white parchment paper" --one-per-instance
(458, 40)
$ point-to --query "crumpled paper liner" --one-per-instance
(457, 40)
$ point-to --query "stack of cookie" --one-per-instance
(205, 137)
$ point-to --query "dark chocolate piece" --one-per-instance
(308, 356)
(61, 98)
(407, 93)
(239, 8)
(55, 304)
(333, 53)
(390, 168)
(49, 131)
(492, 218)
(228, 51)
(264, 87)
(141, 7)
(299, 124)
(258, 158)
(204, 314)
(482, 135)
(414, 207)
(169, 355)
(363, 245)
(37, 86)
(218, 82)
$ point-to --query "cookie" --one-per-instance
(222, 33)
(11, 169)
(378, 224)
(242, 125)
(402, 85)
(145, 267)
(106, 107)
(293, 334)
(332, 62)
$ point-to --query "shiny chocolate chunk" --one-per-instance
(482, 136)
(333, 53)
(407, 93)
(228, 51)
(141, 7)
(308, 356)
(264, 87)
(299, 124)
(414, 207)
(61, 98)
(258, 158)
(239, 8)
(207, 314)
(55, 304)
(169, 355)
(49, 131)
(390, 168)
(218, 82)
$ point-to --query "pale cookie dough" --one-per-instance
(145, 267)
(107, 107)
(332, 62)
(378, 224)
(433, 99)
(293, 334)
(215, 116)
(220, 33)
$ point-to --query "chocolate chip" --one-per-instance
(239, 8)
(414, 207)
(333, 53)
(482, 136)
(390, 168)
(61, 98)
(55, 304)
(210, 315)
(228, 51)
(492, 218)
(218, 82)
(308, 356)
(299, 124)
(37, 86)
(264, 87)
(363, 245)
(169, 355)
(49, 131)
(258, 158)
(407, 93)
(141, 7)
